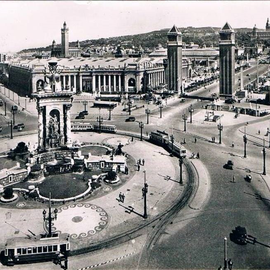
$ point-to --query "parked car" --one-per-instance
(80, 116)
(83, 113)
(131, 119)
(239, 235)
(21, 126)
(229, 165)
(248, 178)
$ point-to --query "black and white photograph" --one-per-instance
(134, 135)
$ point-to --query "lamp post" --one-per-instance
(225, 254)
(100, 121)
(172, 141)
(245, 143)
(5, 103)
(25, 103)
(181, 161)
(220, 128)
(51, 216)
(85, 103)
(141, 126)
(147, 111)
(110, 109)
(160, 110)
(264, 156)
(14, 110)
(129, 106)
(10, 123)
(144, 193)
(184, 117)
(191, 110)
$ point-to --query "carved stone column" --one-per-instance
(40, 128)
(68, 124)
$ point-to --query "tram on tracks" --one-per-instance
(36, 248)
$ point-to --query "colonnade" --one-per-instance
(156, 78)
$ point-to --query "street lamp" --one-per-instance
(220, 128)
(184, 117)
(147, 111)
(191, 110)
(129, 106)
(172, 141)
(141, 126)
(144, 193)
(10, 123)
(160, 110)
(225, 254)
(245, 143)
(50, 217)
(100, 121)
(264, 156)
(14, 110)
(181, 161)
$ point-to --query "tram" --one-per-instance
(78, 126)
(36, 248)
(104, 128)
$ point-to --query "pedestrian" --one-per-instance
(233, 179)
(139, 167)
(120, 197)
(143, 162)
(198, 155)
(184, 141)
(195, 140)
(123, 198)
(232, 144)
(230, 264)
(259, 132)
(220, 267)
(132, 138)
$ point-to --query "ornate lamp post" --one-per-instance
(141, 126)
(51, 216)
(184, 117)
(181, 161)
(144, 193)
(160, 110)
(191, 110)
(147, 111)
(220, 128)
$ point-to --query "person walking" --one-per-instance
(139, 167)
(123, 198)
(233, 179)
(230, 264)
(195, 140)
(143, 162)
(198, 155)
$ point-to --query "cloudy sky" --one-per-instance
(33, 24)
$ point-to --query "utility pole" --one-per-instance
(141, 126)
(220, 128)
(50, 216)
(264, 156)
(147, 111)
(191, 110)
(144, 192)
(184, 117)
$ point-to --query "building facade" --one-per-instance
(227, 61)
(175, 60)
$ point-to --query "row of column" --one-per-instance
(99, 83)
(156, 78)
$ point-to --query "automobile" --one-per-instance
(130, 119)
(21, 125)
(239, 235)
(14, 108)
(80, 116)
(248, 178)
(20, 128)
(83, 113)
(182, 100)
(229, 165)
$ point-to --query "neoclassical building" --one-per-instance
(261, 35)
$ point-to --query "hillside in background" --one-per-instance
(199, 35)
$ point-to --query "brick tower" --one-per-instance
(226, 62)
(174, 55)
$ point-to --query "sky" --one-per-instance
(29, 24)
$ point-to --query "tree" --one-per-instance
(8, 193)
(111, 175)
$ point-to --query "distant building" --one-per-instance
(64, 51)
(226, 61)
(261, 35)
